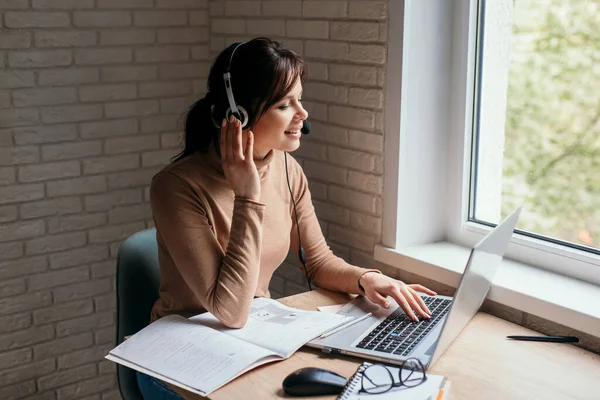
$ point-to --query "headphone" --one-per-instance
(242, 115)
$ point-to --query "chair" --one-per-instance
(138, 279)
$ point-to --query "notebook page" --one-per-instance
(189, 354)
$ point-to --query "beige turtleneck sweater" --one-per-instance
(218, 251)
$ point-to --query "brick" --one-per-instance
(64, 345)
(183, 35)
(19, 390)
(352, 199)
(105, 302)
(125, 3)
(42, 172)
(22, 267)
(129, 73)
(199, 18)
(327, 50)
(229, 25)
(114, 232)
(265, 27)
(324, 9)
(351, 238)
(242, 8)
(124, 91)
(45, 208)
(181, 70)
(159, 18)
(355, 31)
(131, 213)
(82, 290)
(96, 130)
(162, 54)
(44, 19)
(82, 357)
(106, 335)
(44, 96)
(86, 324)
(110, 164)
(13, 4)
(325, 92)
(367, 182)
(63, 4)
(101, 56)
(85, 185)
(119, 37)
(365, 223)
(104, 202)
(111, 395)
(65, 377)
(24, 302)
(351, 158)
(171, 139)
(18, 117)
(28, 371)
(12, 287)
(330, 134)
(176, 105)
(173, 4)
(72, 150)
(101, 19)
(65, 39)
(4, 103)
(139, 108)
(7, 176)
(22, 338)
(76, 113)
(76, 257)
(11, 250)
(76, 222)
(316, 111)
(157, 158)
(83, 388)
(376, 10)
(200, 53)
(282, 8)
(307, 29)
(15, 358)
(42, 58)
(332, 213)
(369, 53)
(15, 40)
(352, 117)
(325, 172)
(103, 269)
(160, 123)
(16, 79)
(121, 180)
(131, 144)
(68, 76)
(52, 243)
(60, 312)
(21, 193)
(365, 141)
(21, 230)
(363, 75)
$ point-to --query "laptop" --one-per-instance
(389, 336)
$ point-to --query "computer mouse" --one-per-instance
(312, 381)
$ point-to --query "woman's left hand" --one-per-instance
(378, 287)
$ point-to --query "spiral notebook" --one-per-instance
(436, 387)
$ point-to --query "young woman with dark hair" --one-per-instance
(231, 206)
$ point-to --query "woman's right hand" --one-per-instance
(238, 162)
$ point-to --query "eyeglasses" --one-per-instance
(378, 378)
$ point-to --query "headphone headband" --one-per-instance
(238, 111)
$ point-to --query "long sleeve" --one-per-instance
(324, 268)
(224, 282)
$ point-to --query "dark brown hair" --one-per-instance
(262, 73)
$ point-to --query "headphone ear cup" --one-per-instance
(244, 115)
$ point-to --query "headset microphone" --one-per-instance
(305, 127)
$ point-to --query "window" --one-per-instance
(491, 113)
(536, 132)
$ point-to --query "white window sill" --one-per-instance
(545, 294)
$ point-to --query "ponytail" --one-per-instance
(199, 128)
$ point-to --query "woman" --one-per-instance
(224, 213)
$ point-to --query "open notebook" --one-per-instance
(436, 387)
(200, 354)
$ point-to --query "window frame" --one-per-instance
(427, 165)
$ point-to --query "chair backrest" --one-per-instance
(138, 280)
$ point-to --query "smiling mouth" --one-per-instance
(291, 132)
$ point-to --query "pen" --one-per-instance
(354, 321)
(555, 339)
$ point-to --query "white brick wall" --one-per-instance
(90, 98)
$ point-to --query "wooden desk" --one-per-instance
(481, 364)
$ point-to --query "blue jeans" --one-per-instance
(155, 389)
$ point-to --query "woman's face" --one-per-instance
(279, 128)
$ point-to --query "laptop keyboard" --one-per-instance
(399, 335)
